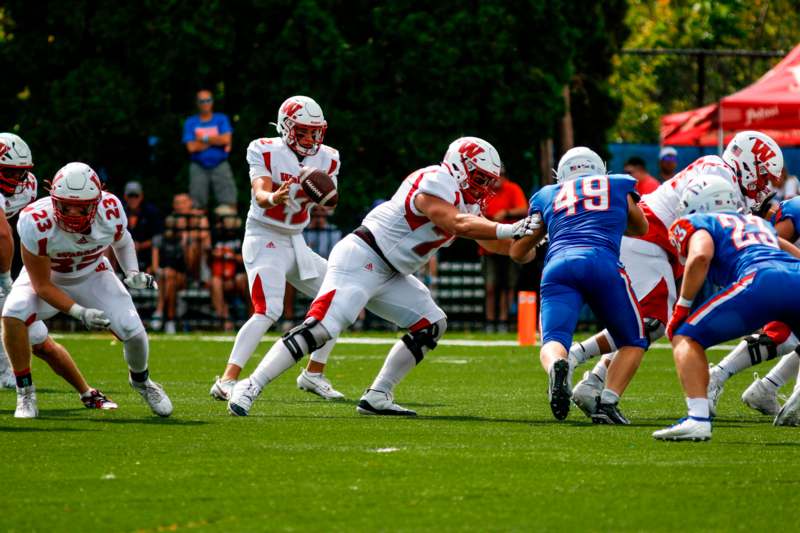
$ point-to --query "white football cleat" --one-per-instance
(716, 384)
(26, 403)
(375, 402)
(689, 428)
(222, 388)
(154, 395)
(7, 379)
(317, 384)
(586, 392)
(242, 397)
(789, 415)
(761, 398)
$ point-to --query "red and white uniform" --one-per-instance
(358, 277)
(651, 260)
(78, 266)
(274, 249)
(11, 205)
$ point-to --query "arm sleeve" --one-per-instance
(260, 162)
(126, 253)
(224, 124)
(188, 131)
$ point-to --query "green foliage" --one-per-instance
(94, 80)
(650, 86)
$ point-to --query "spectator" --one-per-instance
(320, 234)
(646, 183)
(144, 222)
(207, 137)
(667, 163)
(177, 255)
(228, 277)
(499, 272)
(787, 187)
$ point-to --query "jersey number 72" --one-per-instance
(592, 194)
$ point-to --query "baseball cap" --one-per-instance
(133, 188)
(668, 152)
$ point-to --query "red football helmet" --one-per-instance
(76, 193)
(15, 163)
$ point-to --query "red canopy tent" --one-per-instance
(771, 105)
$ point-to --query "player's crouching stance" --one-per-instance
(64, 238)
(586, 214)
(18, 188)
(741, 253)
(374, 265)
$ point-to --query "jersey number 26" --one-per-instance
(592, 193)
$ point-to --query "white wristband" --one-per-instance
(269, 198)
(504, 231)
(76, 311)
(683, 302)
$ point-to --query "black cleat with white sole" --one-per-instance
(609, 413)
(559, 389)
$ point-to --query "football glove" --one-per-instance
(140, 280)
(680, 313)
(520, 228)
(91, 318)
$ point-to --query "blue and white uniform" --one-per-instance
(759, 279)
(586, 219)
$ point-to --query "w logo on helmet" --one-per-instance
(762, 151)
(470, 150)
(291, 108)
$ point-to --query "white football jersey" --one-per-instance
(11, 205)
(406, 237)
(661, 206)
(271, 157)
(73, 255)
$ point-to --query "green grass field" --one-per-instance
(484, 454)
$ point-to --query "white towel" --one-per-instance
(304, 257)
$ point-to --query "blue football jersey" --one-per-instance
(742, 243)
(789, 209)
(589, 212)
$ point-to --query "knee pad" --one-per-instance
(312, 332)
(37, 333)
(761, 348)
(654, 329)
(424, 339)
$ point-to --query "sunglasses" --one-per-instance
(205, 100)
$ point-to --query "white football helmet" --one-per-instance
(476, 166)
(75, 192)
(709, 194)
(296, 116)
(15, 162)
(755, 159)
(577, 162)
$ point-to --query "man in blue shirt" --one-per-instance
(207, 136)
(586, 214)
(741, 253)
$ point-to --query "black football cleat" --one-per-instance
(609, 413)
(559, 389)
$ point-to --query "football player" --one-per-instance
(375, 265)
(64, 239)
(741, 253)
(750, 160)
(18, 188)
(775, 340)
(586, 214)
(274, 249)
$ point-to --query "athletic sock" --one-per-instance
(583, 351)
(321, 354)
(608, 396)
(398, 363)
(783, 372)
(600, 369)
(277, 361)
(698, 407)
(136, 351)
(247, 339)
(24, 378)
(736, 361)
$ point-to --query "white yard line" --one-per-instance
(387, 341)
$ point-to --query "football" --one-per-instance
(319, 187)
